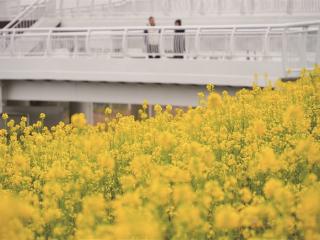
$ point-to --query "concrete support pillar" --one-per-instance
(150, 110)
(86, 108)
(129, 109)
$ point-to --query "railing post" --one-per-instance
(88, 49)
(285, 51)
(161, 47)
(125, 42)
(48, 44)
(12, 42)
(197, 43)
(75, 45)
(266, 45)
(303, 47)
(231, 43)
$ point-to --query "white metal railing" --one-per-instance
(187, 7)
(295, 45)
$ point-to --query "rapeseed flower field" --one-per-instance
(235, 167)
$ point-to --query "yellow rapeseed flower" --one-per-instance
(214, 101)
(5, 116)
(78, 120)
(226, 217)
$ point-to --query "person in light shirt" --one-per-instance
(152, 38)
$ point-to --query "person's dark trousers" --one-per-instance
(154, 49)
(156, 56)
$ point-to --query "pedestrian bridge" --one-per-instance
(112, 64)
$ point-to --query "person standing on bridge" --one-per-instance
(152, 39)
(179, 41)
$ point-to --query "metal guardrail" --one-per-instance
(294, 45)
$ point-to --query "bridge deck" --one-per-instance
(163, 71)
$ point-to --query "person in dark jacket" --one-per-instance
(179, 41)
(152, 38)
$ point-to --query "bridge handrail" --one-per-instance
(227, 26)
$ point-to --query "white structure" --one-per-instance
(90, 13)
(111, 64)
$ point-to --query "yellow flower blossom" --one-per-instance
(227, 217)
(79, 120)
(42, 116)
(107, 111)
(271, 187)
(268, 161)
(5, 116)
(246, 195)
(106, 161)
(214, 101)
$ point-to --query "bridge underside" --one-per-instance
(99, 92)
(80, 96)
